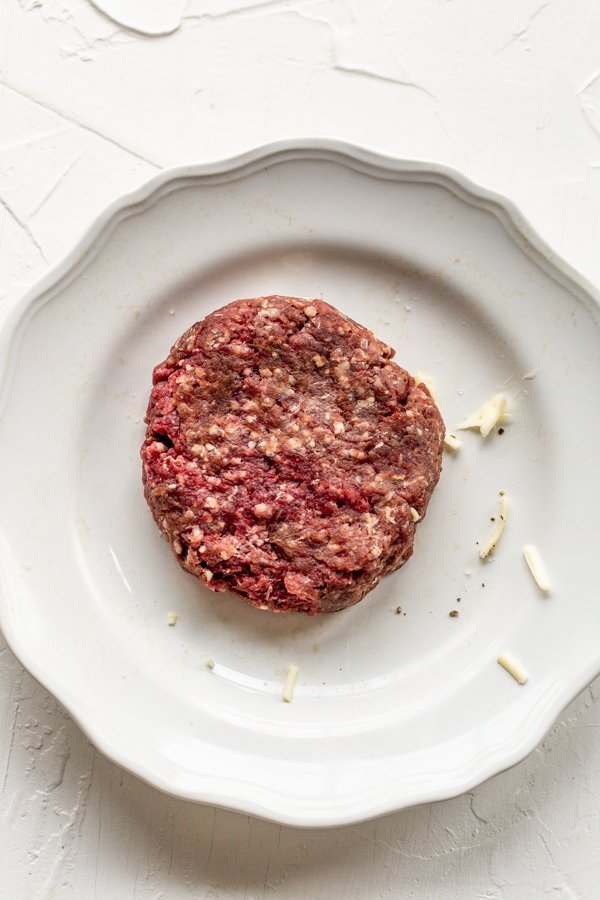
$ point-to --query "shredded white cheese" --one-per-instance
(513, 667)
(529, 376)
(500, 523)
(172, 618)
(487, 416)
(536, 567)
(422, 378)
(451, 442)
(414, 514)
(290, 683)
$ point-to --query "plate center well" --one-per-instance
(435, 329)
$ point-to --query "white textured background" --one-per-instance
(508, 92)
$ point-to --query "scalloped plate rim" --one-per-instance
(259, 158)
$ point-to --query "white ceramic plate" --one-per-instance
(390, 710)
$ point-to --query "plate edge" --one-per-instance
(239, 166)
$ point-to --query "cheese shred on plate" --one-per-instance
(513, 667)
(500, 523)
(536, 567)
(290, 683)
(422, 378)
(451, 442)
(487, 416)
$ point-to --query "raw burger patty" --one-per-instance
(283, 454)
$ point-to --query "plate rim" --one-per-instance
(259, 158)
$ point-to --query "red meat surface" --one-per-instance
(284, 452)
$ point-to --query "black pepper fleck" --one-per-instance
(501, 431)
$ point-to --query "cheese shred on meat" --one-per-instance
(500, 523)
(513, 667)
(536, 567)
(290, 683)
(487, 416)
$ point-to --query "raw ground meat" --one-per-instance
(284, 452)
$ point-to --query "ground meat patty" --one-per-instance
(287, 458)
